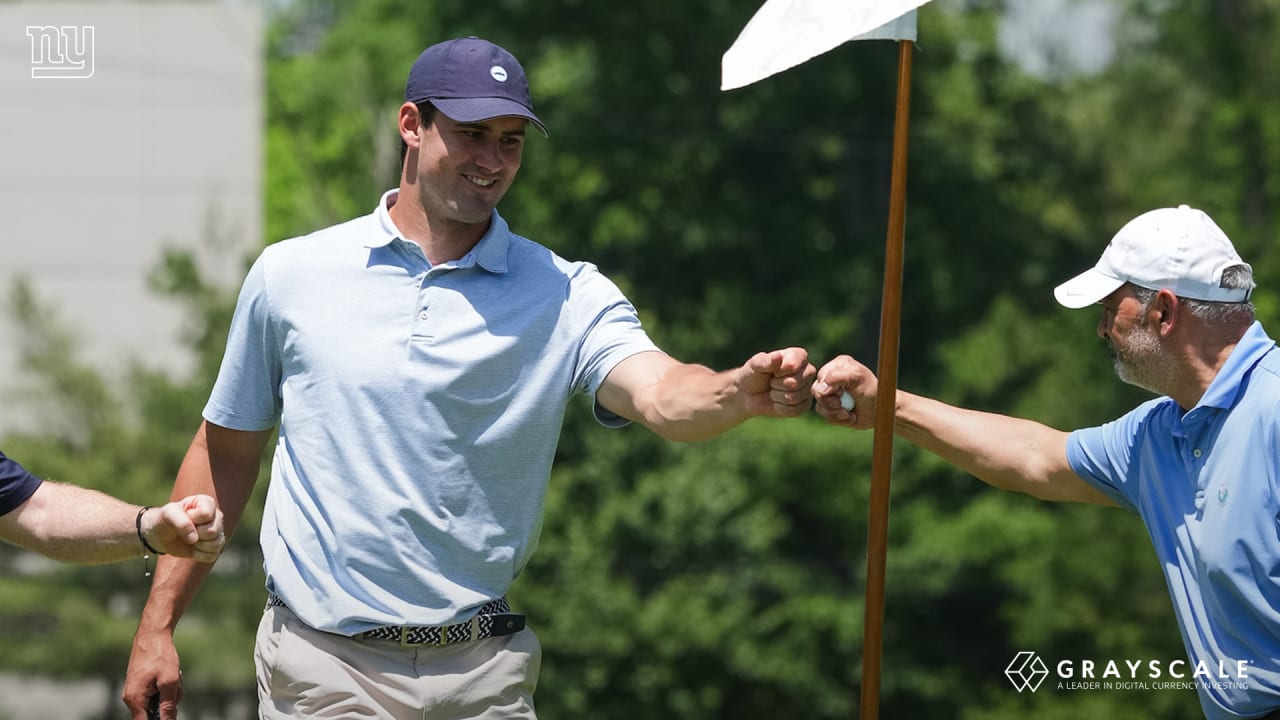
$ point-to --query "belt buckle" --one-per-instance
(405, 630)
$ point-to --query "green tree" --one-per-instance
(725, 579)
(126, 438)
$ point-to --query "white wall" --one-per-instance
(98, 173)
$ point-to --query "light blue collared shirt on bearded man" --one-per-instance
(1205, 485)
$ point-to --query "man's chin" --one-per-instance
(1123, 371)
(1126, 376)
(473, 212)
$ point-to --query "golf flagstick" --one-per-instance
(886, 394)
(781, 35)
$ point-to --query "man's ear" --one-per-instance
(410, 121)
(1165, 311)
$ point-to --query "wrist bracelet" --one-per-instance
(137, 523)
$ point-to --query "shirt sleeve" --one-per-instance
(1104, 455)
(16, 485)
(613, 333)
(246, 395)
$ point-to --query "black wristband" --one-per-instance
(137, 523)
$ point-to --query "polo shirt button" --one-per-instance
(423, 315)
(1197, 452)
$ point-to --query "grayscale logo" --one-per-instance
(1026, 671)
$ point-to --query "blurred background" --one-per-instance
(722, 579)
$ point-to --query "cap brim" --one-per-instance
(480, 109)
(1086, 289)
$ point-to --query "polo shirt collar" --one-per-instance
(1226, 384)
(490, 253)
(383, 230)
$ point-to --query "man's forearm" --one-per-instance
(220, 462)
(693, 402)
(175, 585)
(1005, 452)
(689, 402)
(70, 523)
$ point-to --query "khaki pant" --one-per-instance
(305, 673)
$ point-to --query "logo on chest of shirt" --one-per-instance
(1222, 495)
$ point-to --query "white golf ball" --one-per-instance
(846, 400)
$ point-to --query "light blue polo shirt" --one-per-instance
(1205, 484)
(419, 411)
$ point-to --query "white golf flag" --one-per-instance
(785, 33)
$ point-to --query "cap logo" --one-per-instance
(499, 73)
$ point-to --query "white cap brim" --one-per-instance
(1086, 289)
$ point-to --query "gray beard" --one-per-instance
(1143, 364)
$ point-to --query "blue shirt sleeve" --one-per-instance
(1105, 455)
(16, 484)
(246, 395)
(613, 334)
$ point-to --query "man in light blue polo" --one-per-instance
(418, 362)
(1200, 464)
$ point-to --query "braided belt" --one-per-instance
(493, 620)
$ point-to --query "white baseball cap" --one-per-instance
(1180, 249)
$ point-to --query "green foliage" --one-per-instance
(126, 439)
(726, 578)
(716, 581)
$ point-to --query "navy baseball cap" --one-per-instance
(469, 80)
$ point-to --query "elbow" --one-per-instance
(1023, 480)
(1041, 485)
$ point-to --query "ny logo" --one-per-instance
(65, 52)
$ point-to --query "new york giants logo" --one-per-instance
(61, 52)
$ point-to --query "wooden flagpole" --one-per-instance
(887, 372)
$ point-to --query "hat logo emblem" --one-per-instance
(499, 73)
